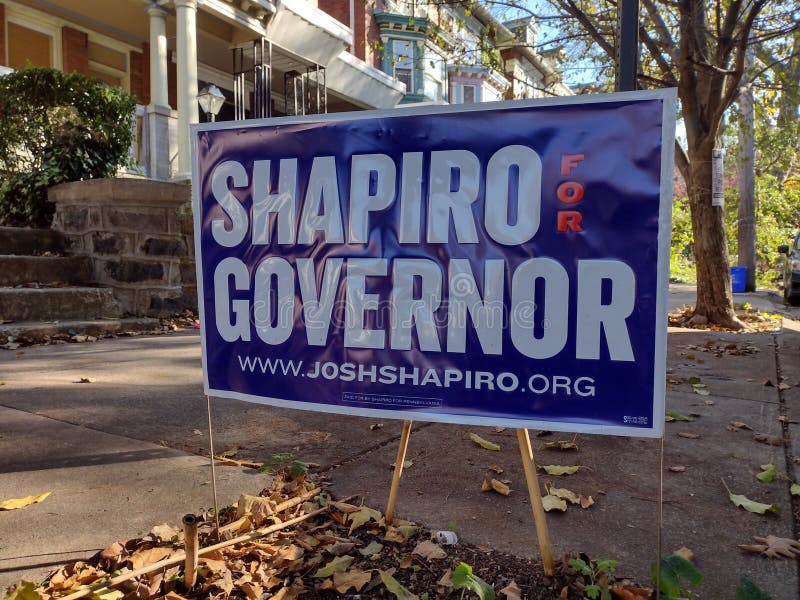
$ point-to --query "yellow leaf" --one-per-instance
(395, 587)
(363, 515)
(24, 590)
(564, 494)
(553, 503)
(484, 443)
(336, 565)
(15, 503)
(559, 470)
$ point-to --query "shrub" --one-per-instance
(56, 127)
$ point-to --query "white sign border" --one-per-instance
(668, 96)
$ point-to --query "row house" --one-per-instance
(268, 57)
(273, 58)
(451, 52)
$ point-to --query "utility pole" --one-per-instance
(628, 47)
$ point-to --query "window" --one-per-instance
(28, 47)
(403, 61)
(108, 65)
(469, 94)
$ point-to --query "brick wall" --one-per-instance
(139, 237)
(371, 34)
(140, 74)
(338, 9)
(365, 30)
(3, 60)
(75, 50)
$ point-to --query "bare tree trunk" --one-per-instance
(714, 297)
(745, 166)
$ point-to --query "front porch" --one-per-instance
(268, 57)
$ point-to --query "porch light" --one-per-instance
(211, 100)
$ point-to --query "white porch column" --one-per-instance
(158, 55)
(186, 12)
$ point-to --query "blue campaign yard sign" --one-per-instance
(495, 264)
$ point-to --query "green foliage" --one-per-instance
(674, 570)
(681, 257)
(284, 460)
(747, 590)
(464, 579)
(777, 221)
(57, 127)
(599, 573)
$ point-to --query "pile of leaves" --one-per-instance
(294, 541)
(186, 320)
(754, 321)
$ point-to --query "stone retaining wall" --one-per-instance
(139, 236)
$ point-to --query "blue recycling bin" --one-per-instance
(738, 279)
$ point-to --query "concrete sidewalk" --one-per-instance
(101, 448)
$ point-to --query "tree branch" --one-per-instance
(583, 18)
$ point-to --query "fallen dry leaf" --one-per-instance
(559, 470)
(688, 436)
(395, 587)
(512, 591)
(768, 439)
(351, 579)
(554, 503)
(372, 549)
(362, 516)
(336, 565)
(86, 380)
(164, 532)
(484, 443)
(677, 469)
(15, 503)
(429, 551)
(495, 485)
(736, 425)
(560, 445)
(773, 547)
(630, 592)
(564, 494)
(586, 501)
(259, 509)
(753, 506)
(148, 556)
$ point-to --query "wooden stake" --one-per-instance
(535, 494)
(192, 546)
(213, 471)
(398, 471)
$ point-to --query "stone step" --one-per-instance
(31, 242)
(48, 270)
(31, 332)
(57, 304)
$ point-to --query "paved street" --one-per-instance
(120, 455)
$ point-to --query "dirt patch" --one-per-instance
(295, 541)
